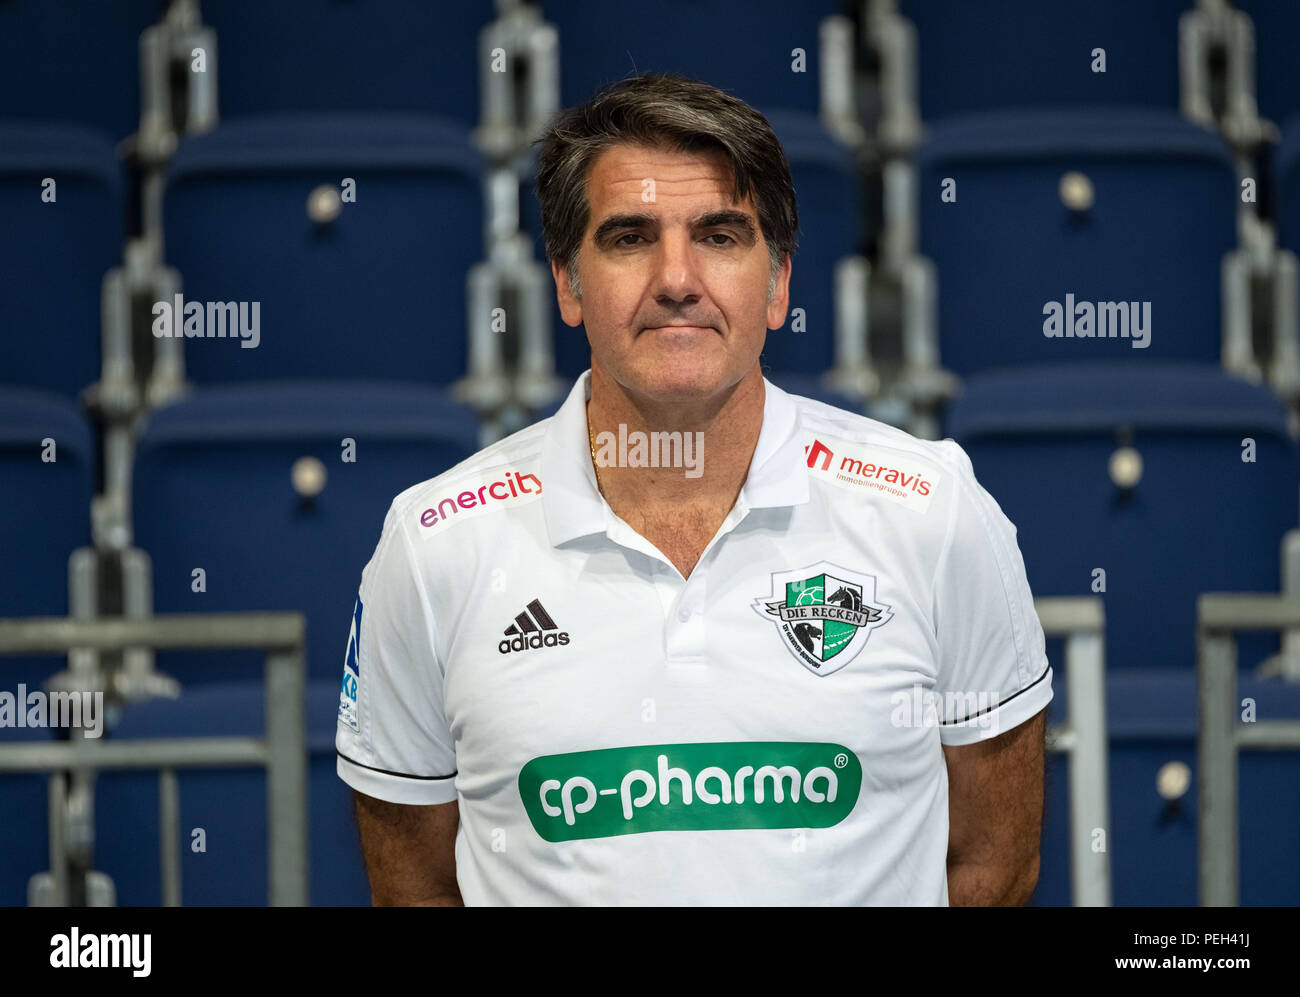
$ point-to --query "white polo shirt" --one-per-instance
(767, 731)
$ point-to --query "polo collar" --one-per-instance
(574, 507)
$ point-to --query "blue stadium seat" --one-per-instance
(24, 841)
(213, 490)
(1161, 218)
(1198, 519)
(72, 62)
(47, 516)
(1277, 32)
(745, 49)
(831, 223)
(379, 292)
(228, 804)
(363, 55)
(979, 54)
(1152, 721)
(47, 512)
(55, 253)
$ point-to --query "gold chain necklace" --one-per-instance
(591, 439)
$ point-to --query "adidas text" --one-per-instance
(523, 641)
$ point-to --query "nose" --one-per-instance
(677, 278)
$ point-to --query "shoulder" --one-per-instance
(499, 477)
(864, 455)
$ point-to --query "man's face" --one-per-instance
(673, 274)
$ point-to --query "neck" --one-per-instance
(711, 444)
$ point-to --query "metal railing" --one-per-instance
(1081, 620)
(282, 750)
(1219, 616)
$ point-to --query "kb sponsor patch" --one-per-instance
(351, 672)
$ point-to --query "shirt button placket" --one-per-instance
(686, 638)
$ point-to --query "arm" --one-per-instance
(995, 814)
(410, 852)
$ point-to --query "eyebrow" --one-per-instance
(711, 219)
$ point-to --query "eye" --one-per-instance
(629, 235)
(723, 235)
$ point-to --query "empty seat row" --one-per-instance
(977, 55)
(64, 61)
(328, 246)
(1144, 484)
(1152, 723)
(73, 62)
(1077, 235)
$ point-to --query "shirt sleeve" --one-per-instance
(992, 672)
(392, 739)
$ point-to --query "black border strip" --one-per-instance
(999, 706)
(401, 775)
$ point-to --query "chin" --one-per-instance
(681, 382)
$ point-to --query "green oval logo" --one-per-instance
(704, 786)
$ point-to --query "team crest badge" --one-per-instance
(825, 614)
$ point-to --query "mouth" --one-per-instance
(680, 329)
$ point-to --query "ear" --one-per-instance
(570, 307)
(780, 303)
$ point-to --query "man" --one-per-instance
(692, 640)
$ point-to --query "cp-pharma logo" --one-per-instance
(825, 614)
(703, 786)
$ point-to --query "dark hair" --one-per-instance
(669, 111)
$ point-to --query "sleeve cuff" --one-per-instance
(396, 787)
(1012, 712)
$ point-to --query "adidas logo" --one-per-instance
(532, 628)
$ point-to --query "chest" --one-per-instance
(656, 678)
(779, 615)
